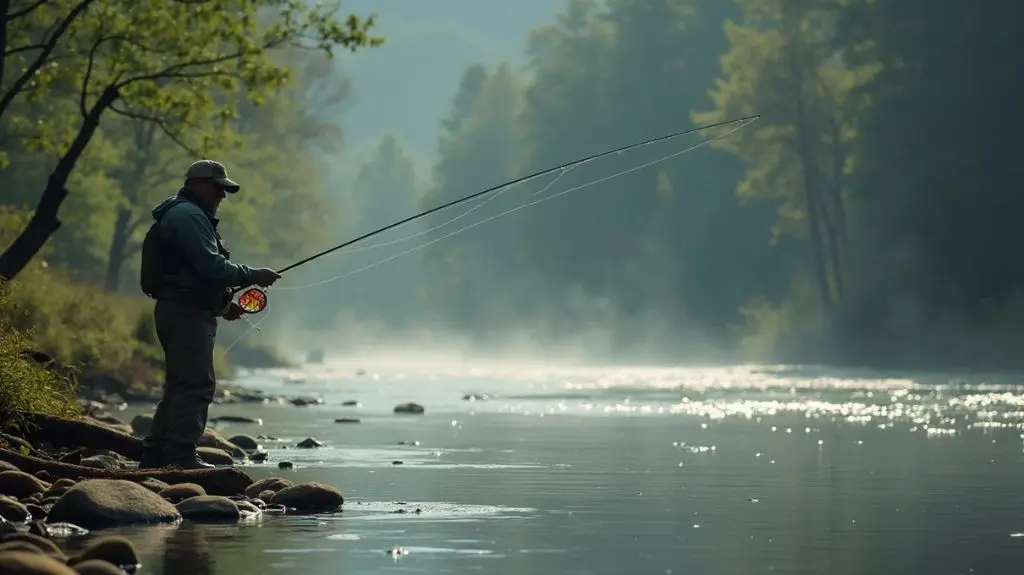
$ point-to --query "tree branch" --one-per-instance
(23, 11)
(5, 5)
(160, 122)
(24, 48)
(50, 44)
(176, 71)
(88, 75)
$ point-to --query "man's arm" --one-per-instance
(194, 233)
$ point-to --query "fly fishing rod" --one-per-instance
(254, 300)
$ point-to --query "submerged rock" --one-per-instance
(58, 530)
(236, 419)
(39, 543)
(97, 567)
(100, 503)
(309, 443)
(113, 549)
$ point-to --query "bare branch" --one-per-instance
(88, 74)
(176, 71)
(160, 122)
(51, 43)
(5, 5)
(24, 48)
(24, 11)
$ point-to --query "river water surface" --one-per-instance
(629, 471)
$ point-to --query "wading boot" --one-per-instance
(185, 458)
(194, 462)
(152, 458)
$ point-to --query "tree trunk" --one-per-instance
(45, 220)
(118, 249)
(815, 209)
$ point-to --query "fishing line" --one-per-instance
(456, 218)
(528, 177)
(521, 207)
(252, 326)
(564, 170)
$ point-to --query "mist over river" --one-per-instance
(618, 470)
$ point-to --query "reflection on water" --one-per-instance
(738, 470)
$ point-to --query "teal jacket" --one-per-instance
(206, 268)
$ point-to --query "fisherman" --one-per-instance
(188, 270)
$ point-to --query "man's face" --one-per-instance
(210, 193)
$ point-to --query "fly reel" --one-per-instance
(252, 300)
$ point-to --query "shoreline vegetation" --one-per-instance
(68, 466)
(98, 112)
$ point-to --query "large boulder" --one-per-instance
(101, 503)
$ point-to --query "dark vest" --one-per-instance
(199, 293)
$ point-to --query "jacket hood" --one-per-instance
(167, 204)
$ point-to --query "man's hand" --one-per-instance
(265, 277)
(233, 312)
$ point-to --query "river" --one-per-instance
(795, 470)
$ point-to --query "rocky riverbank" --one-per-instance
(62, 478)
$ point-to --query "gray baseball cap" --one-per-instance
(211, 170)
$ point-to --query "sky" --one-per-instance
(406, 86)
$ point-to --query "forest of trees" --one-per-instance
(103, 105)
(865, 218)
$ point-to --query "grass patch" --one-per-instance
(25, 386)
(108, 339)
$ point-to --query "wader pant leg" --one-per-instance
(187, 335)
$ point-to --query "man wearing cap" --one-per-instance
(187, 269)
